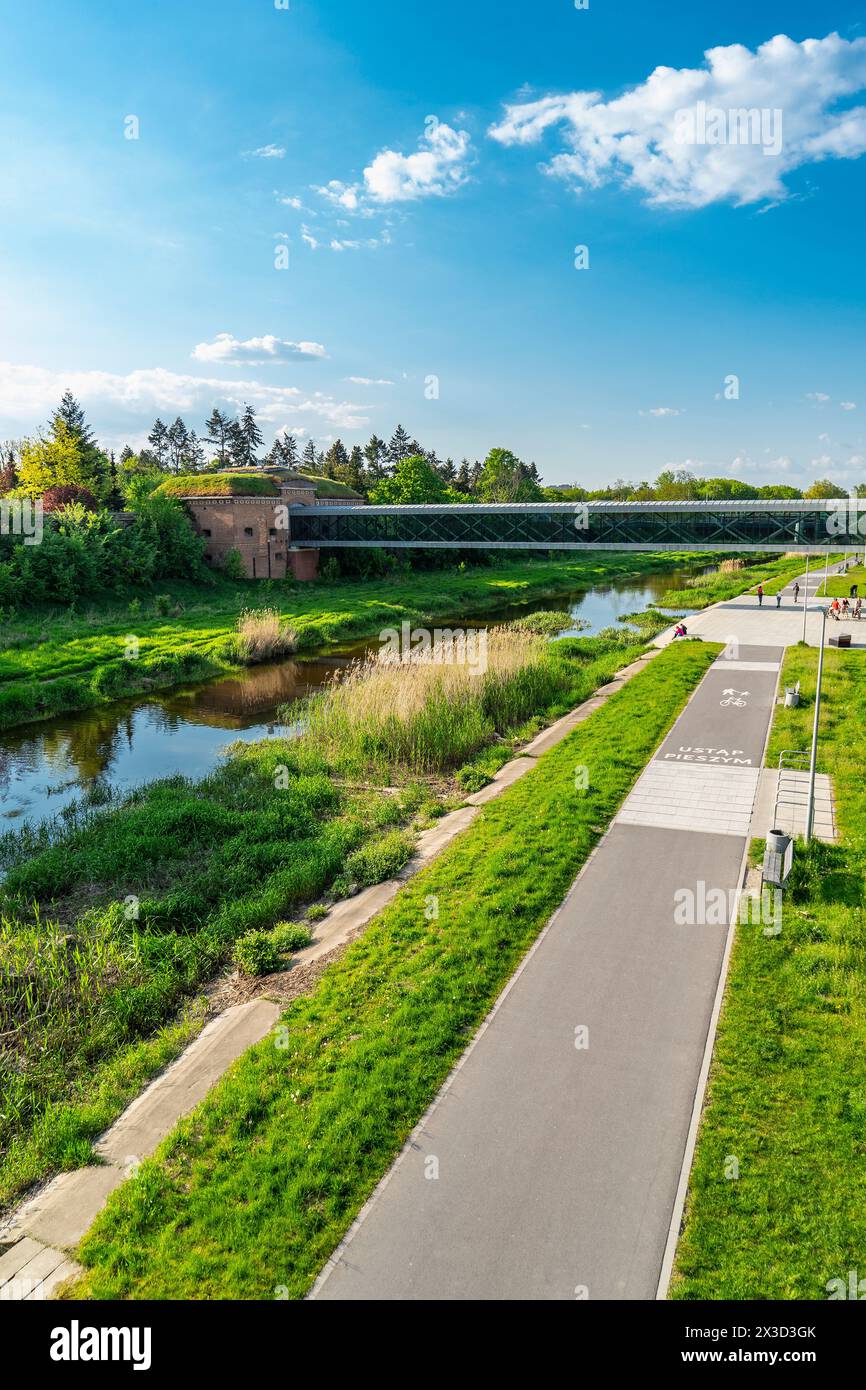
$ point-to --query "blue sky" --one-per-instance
(428, 171)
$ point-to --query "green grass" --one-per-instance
(256, 1187)
(719, 586)
(787, 1091)
(221, 485)
(839, 585)
(63, 660)
(206, 863)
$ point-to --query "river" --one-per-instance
(45, 766)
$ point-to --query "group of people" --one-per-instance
(845, 609)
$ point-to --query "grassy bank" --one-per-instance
(58, 661)
(727, 582)
(113, 917)
(788, 1080)
(254, 1189)
(839, 585)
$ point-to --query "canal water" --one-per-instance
(45, 766)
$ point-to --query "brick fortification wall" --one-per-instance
(255, 527)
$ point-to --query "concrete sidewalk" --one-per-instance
(549, 1165)
(743, 620)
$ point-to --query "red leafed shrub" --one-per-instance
(64, 493)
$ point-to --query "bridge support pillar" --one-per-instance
(303, 564)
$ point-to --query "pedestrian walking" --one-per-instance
(760, 595)
(796, 591)
(779, 599)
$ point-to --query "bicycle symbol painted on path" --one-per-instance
(735, 697)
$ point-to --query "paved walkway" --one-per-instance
(742, 620)
(547, 1169)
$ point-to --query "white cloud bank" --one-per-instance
(29, 393)
(255, 352)
(636, 139)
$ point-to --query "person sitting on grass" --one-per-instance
(680, 630)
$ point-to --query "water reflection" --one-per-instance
(44, 766)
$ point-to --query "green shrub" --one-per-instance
(291, 936)
(380, 860)
(234, 565)
(257, 953)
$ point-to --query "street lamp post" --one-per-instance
(810, 804)
(806, 596)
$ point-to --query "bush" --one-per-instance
(61, 496)
(257, 954)
(291, 936)
(383, 859)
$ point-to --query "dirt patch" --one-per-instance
(284, 986)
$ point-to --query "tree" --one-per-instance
(114, 500)
(463, 481)
(823, 488)
(178, 441)
(218, 428)
(413, 483)
(158, 441)
(448, 472)
(355, 477)
(251, 435)
(284, 452)
(400, 447)
(782, 492)
(54, 498)
(8, 472)
(505, 478)
(310, 456)
(376, 454)
(336, 462)
(53, 462)
(71, 414)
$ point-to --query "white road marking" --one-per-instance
(710, 799)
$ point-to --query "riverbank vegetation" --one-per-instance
(775, 1207)
(116, 915)
(311, 1126)
(731, 579)
(56, 660)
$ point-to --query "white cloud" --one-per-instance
(439, 166)
(819, 396)
(369, 381)
(255, 351)
(637, 139)
(290, 202)
(823, 439)
(267, 152)
(309, 239)
(28, 393)
(848, 405)
(660, 410)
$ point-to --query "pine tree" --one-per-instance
(114, 500)
(448, 472)
(178, 439)
(336, 462)
(126, 454)
(400, 447)
(158, 441)
(290, 450)
(463, 481)
(356, 478)
(236, 445)
(376, 454)
(251, 435)
(310, 457)
(195, 459)
(218, 428)
(71, 413)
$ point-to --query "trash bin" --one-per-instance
(792, 698)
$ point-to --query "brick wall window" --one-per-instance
(206, 531)
(248, 530)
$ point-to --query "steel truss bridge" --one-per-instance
(769, 526)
